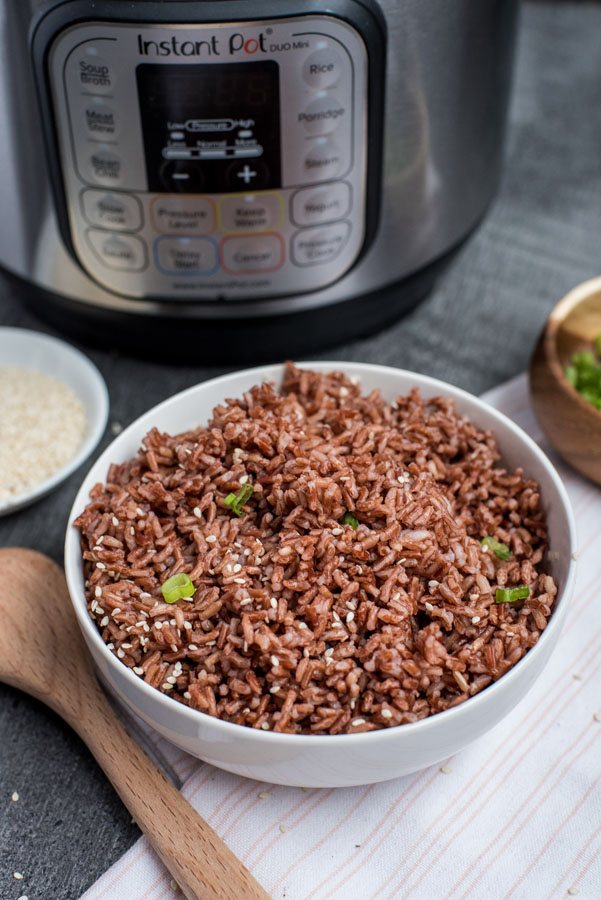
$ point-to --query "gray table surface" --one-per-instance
(476, 329)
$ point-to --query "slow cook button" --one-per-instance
(119, 212)
(250, 212)
(323, 115)
(323, 161)
(118, 251)
(177, 214)
(323, 203)
(246, 255)
(319, 245)
(186, 255)
(323, 68)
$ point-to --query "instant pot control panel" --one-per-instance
(214, 160)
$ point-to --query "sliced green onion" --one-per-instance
(177, 587)
(584, 373)
(349, 519)
(571, 374)
(510, 595)
(501, 550)
(237, 501)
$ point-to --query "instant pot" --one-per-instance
(244, 178)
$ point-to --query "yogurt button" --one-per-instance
(324, 203)
(322, 68)
(118, 251)
(252, 254)
(119, 212)
(323, 161)
(323, 115)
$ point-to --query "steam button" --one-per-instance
(323, 68)
(118, 251)
(323, 161)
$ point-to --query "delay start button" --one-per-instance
(186, 255)
(314, 246)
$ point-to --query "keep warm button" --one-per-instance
(313, 246)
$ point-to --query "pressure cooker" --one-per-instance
(236, 179)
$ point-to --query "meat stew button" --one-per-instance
(313, 246)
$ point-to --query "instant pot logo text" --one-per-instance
(236, 45)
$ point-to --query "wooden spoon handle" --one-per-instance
(201, 863)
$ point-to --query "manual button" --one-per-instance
(245, 255)
(118, 251)
(319, 245)
(250, 212)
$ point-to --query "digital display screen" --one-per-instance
(210, 128)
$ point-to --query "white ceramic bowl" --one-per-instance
(42, 353)
(340, 760)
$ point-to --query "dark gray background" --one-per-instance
(477, 328)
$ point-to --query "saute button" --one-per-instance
(105, 166)
(319, 245)
(324, 115)
(250, 212)
(322, 203)
(323, 161)
(252, 254)
(323, 68)
(94, 74)
(118, 251)
(177, 214)
(119, 212)
(186, 255)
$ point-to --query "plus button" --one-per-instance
(246, 174)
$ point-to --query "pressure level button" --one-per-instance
(323, 68)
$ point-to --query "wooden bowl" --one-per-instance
(572, 424)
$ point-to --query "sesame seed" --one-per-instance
(17, 875)
(445, 770)
(302, 625)
(171, 679)
(120, 653)
(484, 548)
(329, 652)
(104, 622)
(211, 538)
(337, 531)
(188, 625)
(196, 511)
(174, 647)
(115, 521)
(274, 661)
(14, 796)
(573, 891)
(237, 568)
(243, 479)
(187, 695)
(577, 677)
(336, 616)
(100, 565)
(132, 530)
(597, 717)
(475, 620)
(274, 689)
(245, 646)
(110, 646)
(116, 427)
(474, 596)
(192, 647)
(245, 601)
(306, 652)
(144, 594)
(575, 555)
(146, 627)
(429, 607)
(265, 726)
(240, 580)
(358, 722)
(140, 624)
(166, 686)
(283, 829)
(98, 591)
(349, 617)
(138, 670)
(263, 795)
(126, 646)
(158, 625)
(139, 511)
(352, 704)
(386, 714)
(274, 603)
(433, 583)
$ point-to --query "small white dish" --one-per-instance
(329, 760)
(38, 352)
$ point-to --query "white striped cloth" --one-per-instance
(515, 815)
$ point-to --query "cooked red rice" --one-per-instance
(300, 623)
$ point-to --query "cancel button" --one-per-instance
(313, 246)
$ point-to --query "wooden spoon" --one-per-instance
(43, 653)
(572, 424)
